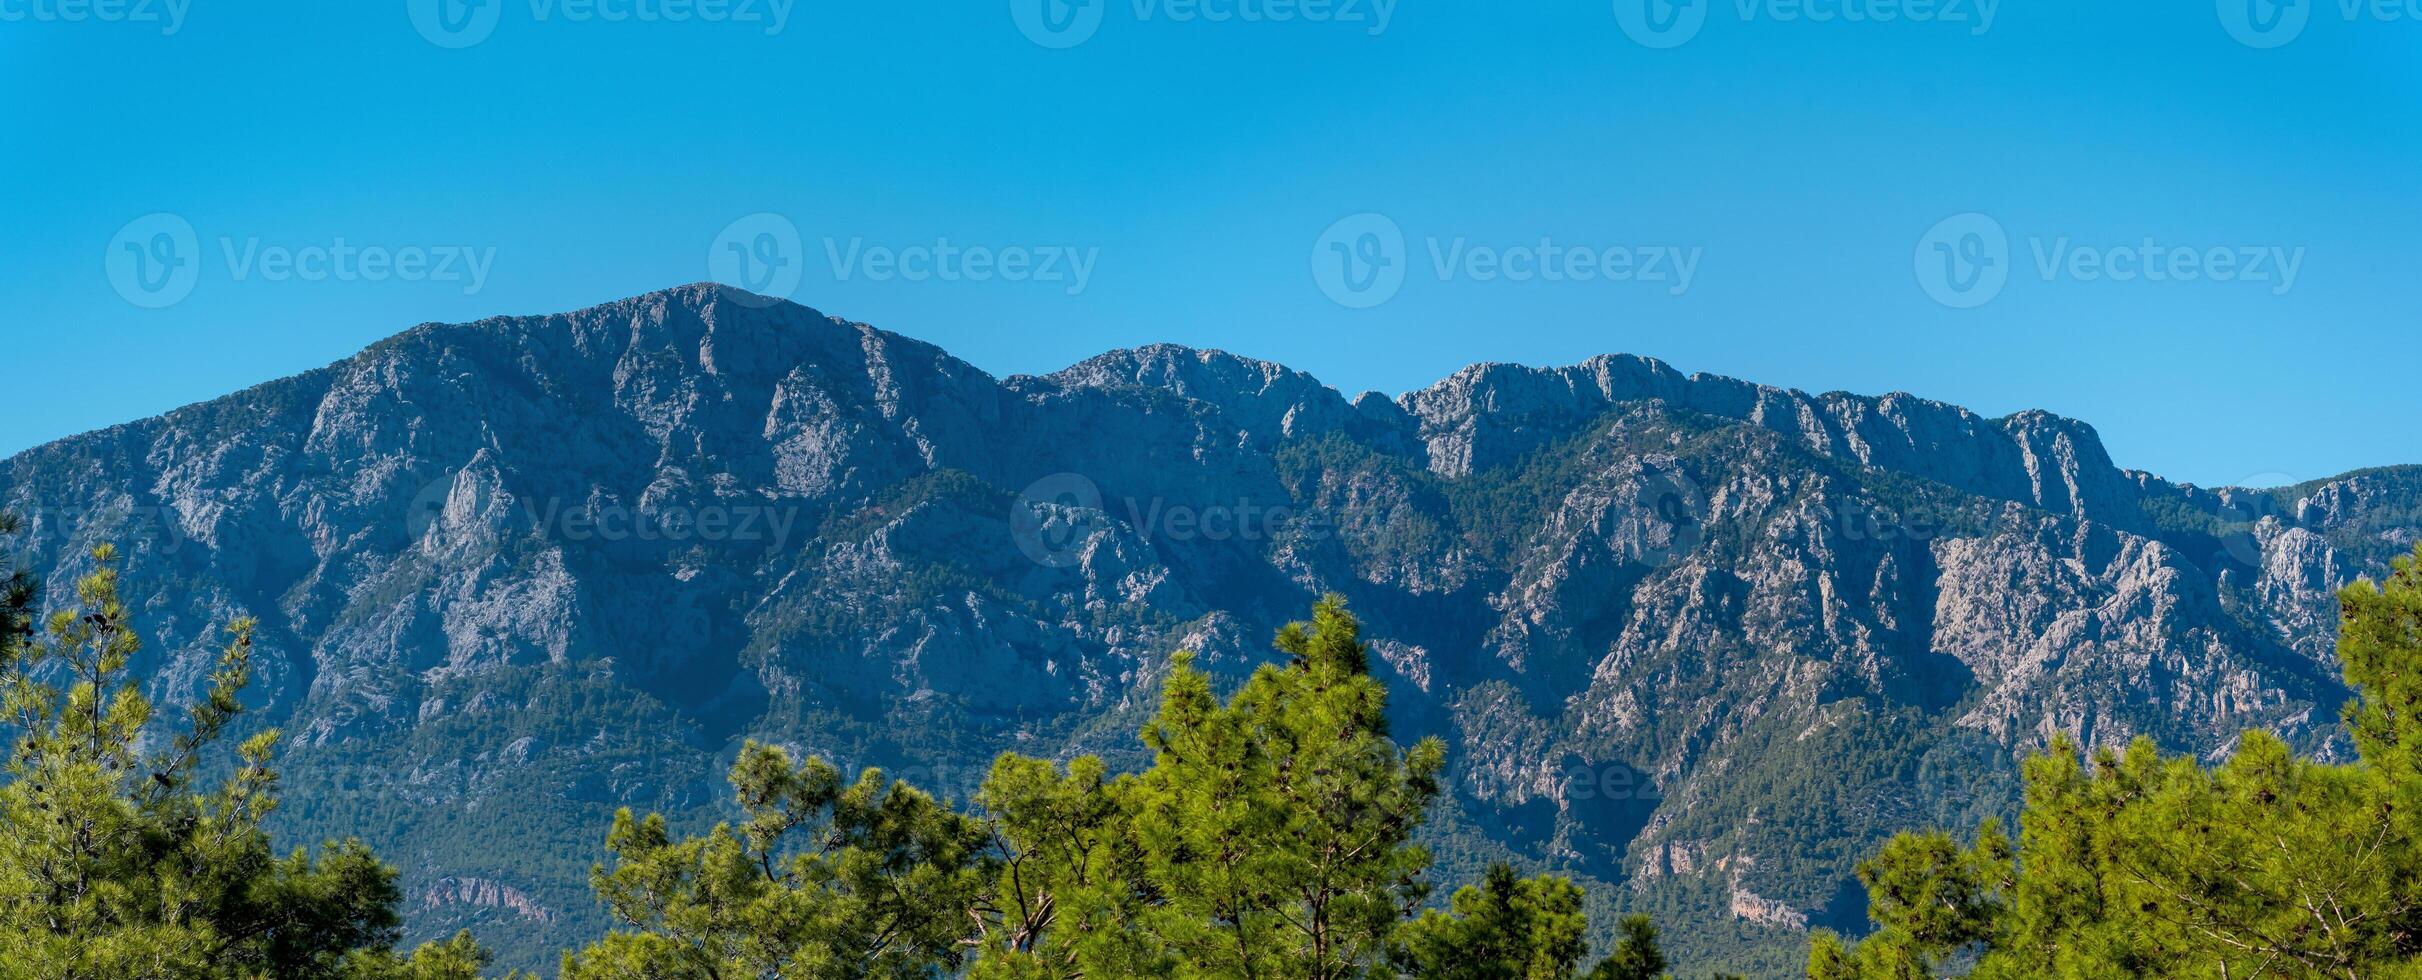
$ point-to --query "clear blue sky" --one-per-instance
(1200, 164)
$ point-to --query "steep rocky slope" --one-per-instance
(1698, 640)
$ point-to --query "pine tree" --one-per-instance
(112, 865)
(460, 958)
(1271, 836)
(1505, 928)
(1275, 830)
(825, 879)
(1636, 955)
(18, 591)
(1070, 885)
(1930, 898)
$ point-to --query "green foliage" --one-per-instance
(1505, 928)
(2380, 648)
(459, 958)
(824, 879)
(1271, 836)
(1930, 898)
(2136, 864)
(18, 588)
(1275, 830)
(1636, 955)
(1067, 891)
(112, 865)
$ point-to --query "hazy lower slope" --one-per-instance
(1702, 641)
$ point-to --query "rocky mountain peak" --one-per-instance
(515, 574)
(1267, 400)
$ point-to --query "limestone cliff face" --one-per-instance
(1682, 632)
(1492, 414)
(480, 893)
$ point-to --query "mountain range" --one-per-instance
(1698, 642)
